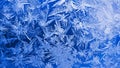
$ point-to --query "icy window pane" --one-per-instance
(59, 33)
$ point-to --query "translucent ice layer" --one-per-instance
(59, 33)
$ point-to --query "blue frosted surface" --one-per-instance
(59, 33)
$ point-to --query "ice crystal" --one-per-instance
(59, 33)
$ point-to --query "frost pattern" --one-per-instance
(59, 33)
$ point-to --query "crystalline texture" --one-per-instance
(59, 33)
